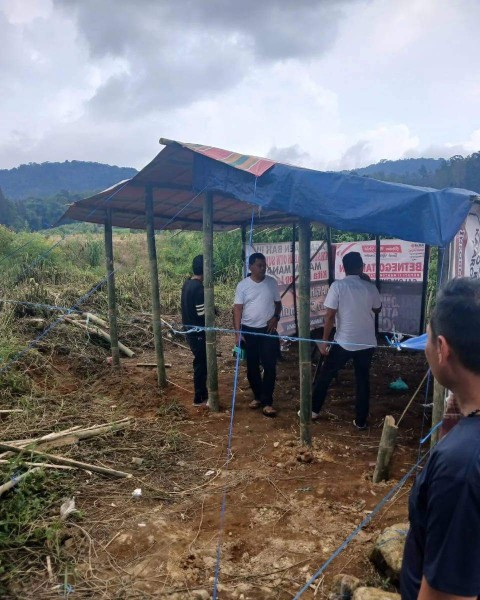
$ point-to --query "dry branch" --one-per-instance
(62, 460)
(103, 334)
(10, 484)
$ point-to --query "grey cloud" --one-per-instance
(178, 52)
(292, 155)
(356, 156)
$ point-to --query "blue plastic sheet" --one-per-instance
(345, 202)
(416, 343)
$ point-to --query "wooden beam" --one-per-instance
(212, 377)
(304, 353)
(156, 316)
(112, 304)
(423, 308)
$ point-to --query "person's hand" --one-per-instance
(324, 348)
(272, 325)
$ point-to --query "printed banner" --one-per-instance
(466, 247)
(399, 260)
(280, 266)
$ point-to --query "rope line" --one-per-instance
(357, 530)
(229, 446)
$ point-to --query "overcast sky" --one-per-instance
(320, 83)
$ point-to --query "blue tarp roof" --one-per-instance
(180, 174)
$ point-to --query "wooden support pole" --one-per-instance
(438, 408)
(331, 263)
(304, 352)
(112, 303)
(212, 371)
(156, 317)
(244, 250)
(423, 307)
(294, 276)
(385, 450)
(377, 275)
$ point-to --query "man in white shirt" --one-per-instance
(351, 305)
(257, 310)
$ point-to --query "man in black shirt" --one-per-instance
(193, 314)
(442, 551)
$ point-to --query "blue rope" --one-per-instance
(229, 446)
(33, 343)
(357, 530)
(17, 356)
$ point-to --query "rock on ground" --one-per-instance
(371, 593)
(344, 586)
(387, 553)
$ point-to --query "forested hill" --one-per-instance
(458, 171)
(47, 179)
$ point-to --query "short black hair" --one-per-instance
(197, 265)
(253, 257)
(352, 261)
(456, 316)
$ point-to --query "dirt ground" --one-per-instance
(286, 509)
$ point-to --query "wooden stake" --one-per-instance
(62, 460)
(112, 307)
(212, 377)
(156, 318)
(304, 352)
(385, 450)
(438, 410)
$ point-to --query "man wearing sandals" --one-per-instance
(256, 313)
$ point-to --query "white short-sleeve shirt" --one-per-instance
(258, 299)
(353, 299)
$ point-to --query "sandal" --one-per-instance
(255, 404)
(269, 411)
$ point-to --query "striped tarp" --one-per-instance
(245, 162)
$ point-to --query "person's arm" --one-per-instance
(327, 330)
(377, 302)
(428, 593)
(237, 317)
(273, 322)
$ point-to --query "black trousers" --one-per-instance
(335, 360)
(196, 341)
(261, 350)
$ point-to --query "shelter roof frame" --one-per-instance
(281, 194)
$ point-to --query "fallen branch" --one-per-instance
(62, 460)
(13, 482)
(103, 334)
(151, 364)
(11, 410)
(4, 461)
(71, 435)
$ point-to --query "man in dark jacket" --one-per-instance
(193, 315)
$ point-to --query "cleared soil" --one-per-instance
(286, 508)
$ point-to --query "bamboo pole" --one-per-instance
(438, 408)
(62, 460)
(112, 307)
(294, 276)
(304, 360)
(244, 250)
(377, 275)
(212, 377)
(156, 317)
(423, 308)
(385, 450)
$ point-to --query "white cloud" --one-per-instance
(331, 84)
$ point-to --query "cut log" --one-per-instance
(103, 334)
(385, 450)
(91, 317)
(62, 460)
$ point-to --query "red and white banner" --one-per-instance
(280, 266)
(466, 247)
(400, 261)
